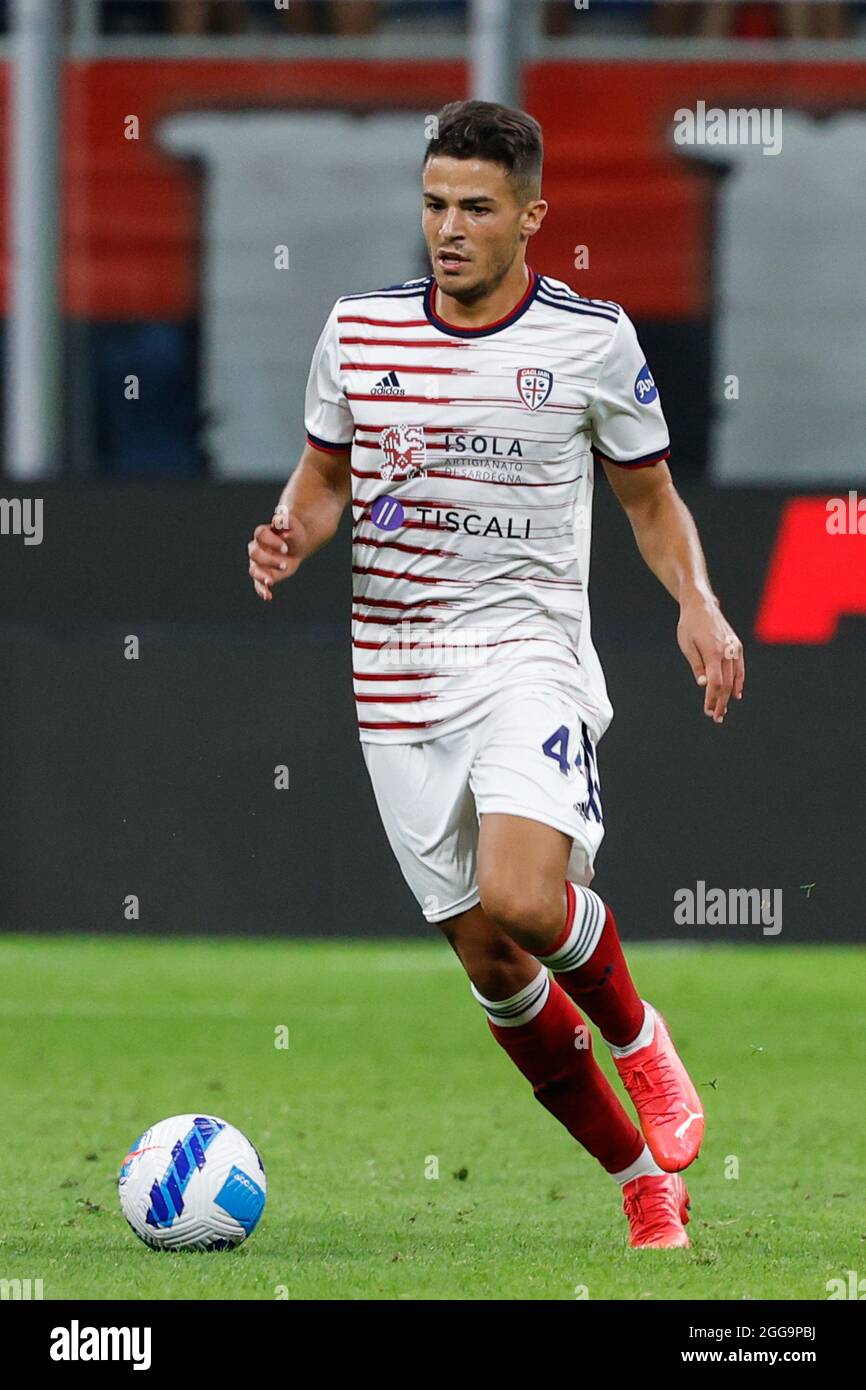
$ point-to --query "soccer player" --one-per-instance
(461, 415)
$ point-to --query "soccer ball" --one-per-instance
(193, 1182)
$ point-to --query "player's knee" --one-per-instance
(529, 914)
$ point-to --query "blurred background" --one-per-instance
(187, 186)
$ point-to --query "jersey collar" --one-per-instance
(454, 331)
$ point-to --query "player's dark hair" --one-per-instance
(502, 134)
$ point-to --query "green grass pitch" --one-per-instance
(389, 1065)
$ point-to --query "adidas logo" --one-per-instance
(388, 386)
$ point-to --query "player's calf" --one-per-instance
(546, 1038)
(589, 964)
(586, 956)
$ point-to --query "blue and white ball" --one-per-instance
(192, 1182)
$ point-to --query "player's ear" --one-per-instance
(533, 216)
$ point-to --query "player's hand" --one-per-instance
(275, 552)
(714, 652)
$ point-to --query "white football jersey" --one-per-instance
(472, 476)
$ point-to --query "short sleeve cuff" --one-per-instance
(645, 460)
(326, 444)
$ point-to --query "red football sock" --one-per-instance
(601, 985)
(568, 1081)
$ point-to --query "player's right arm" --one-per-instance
(305, 518)
(312, 502)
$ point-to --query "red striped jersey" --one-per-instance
(472, 454)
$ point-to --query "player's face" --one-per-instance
(473, 224)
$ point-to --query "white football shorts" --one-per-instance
(529, 754)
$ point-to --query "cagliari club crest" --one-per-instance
(535, 385)
(405, 452)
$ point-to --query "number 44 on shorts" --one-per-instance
(556, 747)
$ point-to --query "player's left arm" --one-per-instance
(668, 540)
(629, 435)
